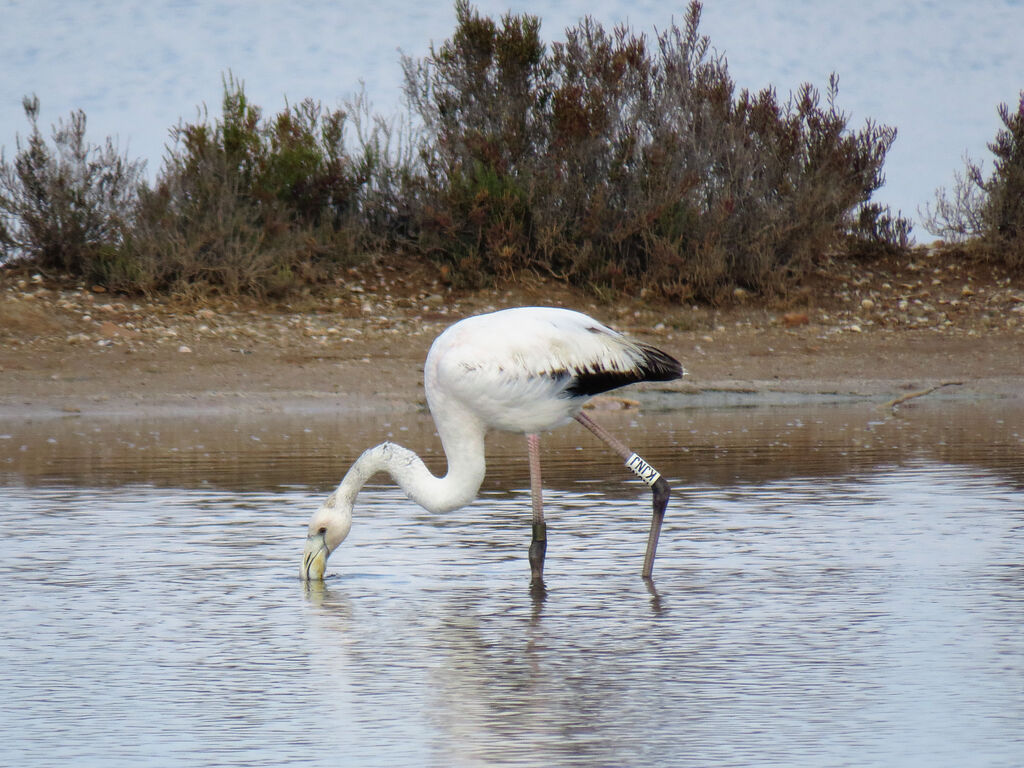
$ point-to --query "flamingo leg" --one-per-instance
(659, 487)
(539, 545)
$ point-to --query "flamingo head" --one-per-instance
(327, 529)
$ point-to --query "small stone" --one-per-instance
(110, 329)
(867, 305)
(185, 349)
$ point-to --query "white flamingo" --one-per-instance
(528, 370)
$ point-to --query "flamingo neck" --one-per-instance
(464, 449)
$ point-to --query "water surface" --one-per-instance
(833, 587)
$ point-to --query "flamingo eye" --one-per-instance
(322, 531)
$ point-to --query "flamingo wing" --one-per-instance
(531, 369)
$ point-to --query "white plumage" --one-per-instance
(527, 369)
(515, 369)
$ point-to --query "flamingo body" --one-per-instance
(531, 369)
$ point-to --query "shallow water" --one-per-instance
(833, 588)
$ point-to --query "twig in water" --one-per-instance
(891, 405)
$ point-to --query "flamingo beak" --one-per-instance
(314, 557)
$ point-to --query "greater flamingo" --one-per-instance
(528, 370)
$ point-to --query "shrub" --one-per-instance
(609, 160)
(254, 205)
(66, 208)
(874, 231)
(476, 98)
(988, 210)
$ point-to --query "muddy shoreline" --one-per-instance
(885, 332)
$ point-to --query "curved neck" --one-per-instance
(464, 449)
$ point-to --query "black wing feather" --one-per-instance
(654, 365)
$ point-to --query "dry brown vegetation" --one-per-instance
(609, 161)
(985, 215)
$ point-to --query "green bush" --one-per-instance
(989, 211)
(252, 205)
(66, 208)
(612, 161)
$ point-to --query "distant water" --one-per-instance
(832, 589)
(934, 70)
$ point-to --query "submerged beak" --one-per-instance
(314, 557)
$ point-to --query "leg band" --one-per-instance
(642, 469)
